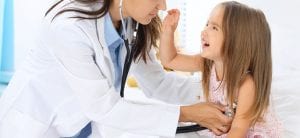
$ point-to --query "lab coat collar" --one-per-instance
(112, 37)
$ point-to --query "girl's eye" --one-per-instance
(215, 28)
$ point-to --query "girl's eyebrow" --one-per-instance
(214, 23)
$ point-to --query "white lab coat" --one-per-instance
(67, 81)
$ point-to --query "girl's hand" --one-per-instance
(171, 21)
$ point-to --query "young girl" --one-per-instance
(236, 66)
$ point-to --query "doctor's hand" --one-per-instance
(171, 21)
(208, 115)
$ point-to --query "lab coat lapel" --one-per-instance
(106, 60)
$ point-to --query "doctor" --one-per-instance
(69, 84)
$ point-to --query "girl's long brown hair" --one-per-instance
(246, 48)
(147, 35)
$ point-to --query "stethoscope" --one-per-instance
(127, 64)
(130, 52)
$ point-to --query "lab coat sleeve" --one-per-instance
(98, 99)
(166, 86)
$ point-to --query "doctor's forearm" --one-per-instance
(182, 116)
(185, 115)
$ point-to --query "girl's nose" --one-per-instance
(203, 33)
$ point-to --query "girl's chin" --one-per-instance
(205, 55)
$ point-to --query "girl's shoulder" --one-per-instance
(247, 81)
(246, 89)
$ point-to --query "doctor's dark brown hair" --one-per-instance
(147, 35)
(246, 48)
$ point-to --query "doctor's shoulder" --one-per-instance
(64, 15)
(59, 29)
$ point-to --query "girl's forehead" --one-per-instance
(216, 15)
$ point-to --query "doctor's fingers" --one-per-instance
(223, 128)
(225, 120)
(217, 132)
(218, 113)
(217, 124)
(217, 128)
(219, 106)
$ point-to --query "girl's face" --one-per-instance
(143, 11)
(212, 36)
